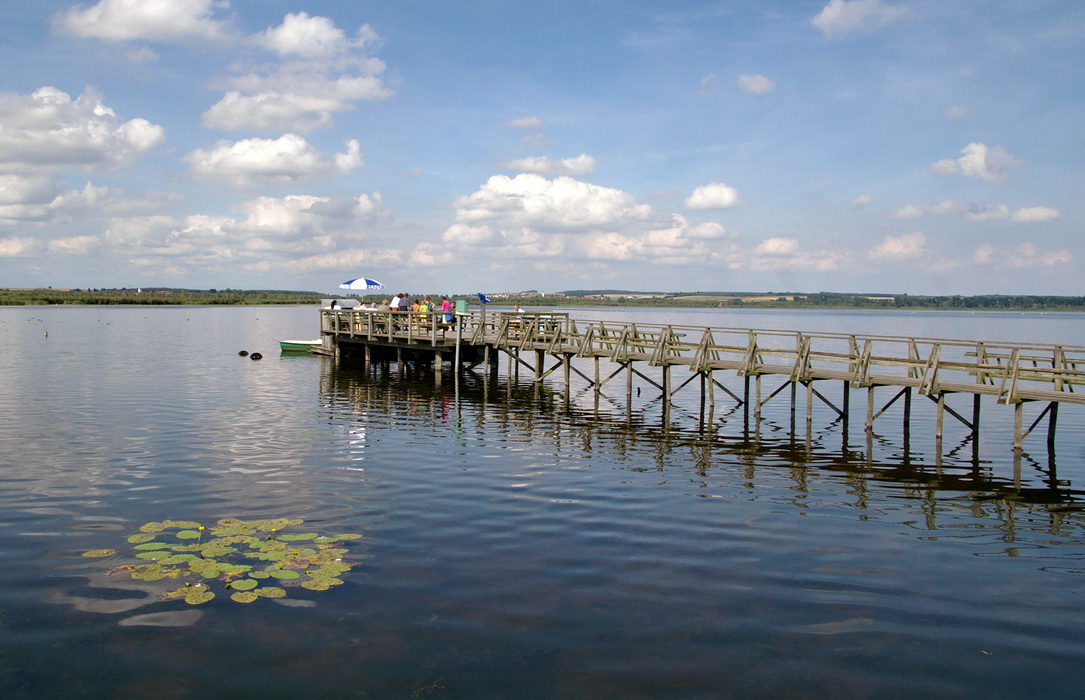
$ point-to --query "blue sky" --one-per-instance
(888, 146)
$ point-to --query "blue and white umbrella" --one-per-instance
(361, 283)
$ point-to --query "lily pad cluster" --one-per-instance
(248, 559)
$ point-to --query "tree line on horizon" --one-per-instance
(163, 296)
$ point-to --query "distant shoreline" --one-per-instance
(738, 300)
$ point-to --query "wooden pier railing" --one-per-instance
(1012, 373)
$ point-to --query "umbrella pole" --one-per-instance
(459, 338)
(456, 363)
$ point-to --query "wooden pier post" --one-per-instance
(1018, 423)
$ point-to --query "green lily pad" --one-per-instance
(208, 558)
(270, 592)
(152, 572)
(183, 524)
(177, 592)
(175, 559)
(235, 539)
(330, 570)
(185, 557)
(212, 550)
(245, 584)
(270, 556)
(199, 597)
(153, 555)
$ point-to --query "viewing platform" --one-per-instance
(1007, 374)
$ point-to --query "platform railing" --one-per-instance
(1011, 372)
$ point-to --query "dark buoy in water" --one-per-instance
(243, 353)
(256, 356)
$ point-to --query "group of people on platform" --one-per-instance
(423, 307)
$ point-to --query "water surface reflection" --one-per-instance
(518, 542)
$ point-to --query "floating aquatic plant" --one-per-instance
(176, 549)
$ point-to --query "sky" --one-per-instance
(864, 146)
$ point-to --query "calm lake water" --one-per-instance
(513, 546)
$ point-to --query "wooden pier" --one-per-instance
(1009, 374)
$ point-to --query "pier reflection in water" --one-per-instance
(518, 541)
(799, 566)
(534, 411)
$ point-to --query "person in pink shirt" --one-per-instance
(446, 309)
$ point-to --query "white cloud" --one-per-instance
(349, 259)
(313, 37)
(429, 254)
(141, 55)
(677, 244)
(326, 75)
(530, 123)
(842, 17)
(709, 230)
(984, 255)
(304, 223)
(134, 232)
(530, 218)
(28, 189)
(76, 246)
(18, 247)
(757, 84)
(561, 204)
(1021, 256)
(543, 165)
(972, 212)
(716, 195)
(160, 20)
(47, 130)
(462, 234)
(978, 213)
(272, 233)
(1032, 215)
(262, 162)
(992, 164)
(906, 247)
(44, 200)
(957, 113)
(298, 101)
(609, 246)
(778, 246)
(780, 254)
(861, 201)
(707, 82)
